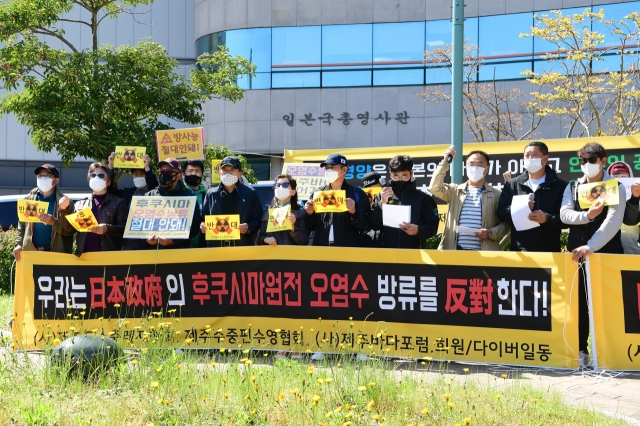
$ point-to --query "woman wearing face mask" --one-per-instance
(285, 195)
(592, 230)
(109, 210)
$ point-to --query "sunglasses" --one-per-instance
(283, 185)
(100, 175)
(166, 172)
(591, 160)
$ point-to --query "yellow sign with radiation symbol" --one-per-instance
(28, 210)
(129, 157)
(83, 220)
(222, 227)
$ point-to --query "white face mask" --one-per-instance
(97, 184)
(229, 179)
(533, 165)
(282, 193)
(139, 182)
(591, 170)
(475, 173)
(331, 175)
(45, 184)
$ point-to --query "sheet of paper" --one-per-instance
(393, 215)
(83, 220)
(466, 230)
(520, 213)
(278, 219)
(603, 192)
(627, 182)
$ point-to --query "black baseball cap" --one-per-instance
(372, 178)
(48, 167)
(232, 161)
(334, 159)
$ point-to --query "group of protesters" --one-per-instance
(474, 204)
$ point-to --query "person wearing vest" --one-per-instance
(592, 230)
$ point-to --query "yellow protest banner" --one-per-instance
(183, 144)
(167, 217)
(223, 227)
(83, 220)
(331, 201)
(599, 192)
(215, 172)
(278, 220)
(129, 157)
(28, 210)
(309, 177)
(371, 193)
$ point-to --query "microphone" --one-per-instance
(450, 157)
(532, 197)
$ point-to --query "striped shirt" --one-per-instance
(471, 216)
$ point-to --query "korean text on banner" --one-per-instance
(499, 307)
(166, 217)
(605, 192)
(129, 157)
(330, 201)
(83, 220)
(28, 210)
(215, 172)
(309, 177)
(183, 144)
(278, 220)
(223, 227)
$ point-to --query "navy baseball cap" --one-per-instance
(48, 167)
(334, 160)
(232, 161)
(171, 162)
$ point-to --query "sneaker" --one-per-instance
(318, 356)
(585, 361)
(362, 357)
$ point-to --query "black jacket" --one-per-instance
(113, 212)
(424, 213)
(178, 191)
(548, 198)
(128, 193)
(346, 226)
(299, 236)
(248, 206)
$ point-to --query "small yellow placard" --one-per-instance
(28, 210)
(129, 157)
(278, 220)
(222, 227)
(215, 171)
(606, 192)
(371, 193)
(330, 201)
(182, 144)
(83, 220)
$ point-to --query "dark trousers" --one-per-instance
(583, 310)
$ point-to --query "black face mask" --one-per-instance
(193, 180)
(166, 179)
(399, 185)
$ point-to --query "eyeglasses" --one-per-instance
(100, 175)
(283, 185)
(46, 176)
(591, 160)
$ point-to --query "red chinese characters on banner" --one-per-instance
(145, 291)
(480, 296)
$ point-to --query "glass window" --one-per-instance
(439, 33)
(252, 44)
(438, 75)
(398, 45)
(262, 80)
(499, 36)
(398, 77)
(612, 63)
(346, 46)
(295, 48)
(346, 78)
(280, 80)
(616, 12)
(210, 43)
(540, 46)
(509, 71)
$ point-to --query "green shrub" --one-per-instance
(432, 243)
(7, 244)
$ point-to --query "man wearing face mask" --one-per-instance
(53, 233)
(340, 229)
(592, 230)
(172, 185)
(233, 197)
(540, 182)
(193, 173)
(472, 204)
(144, 180)
(403, 191)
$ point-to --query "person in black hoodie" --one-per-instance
(233, 197)
(540, 180)
(172, 185)
(403, 191)
(144, 180)
(339, 229)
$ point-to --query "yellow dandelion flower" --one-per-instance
(134, 362)
(72, 328)
(12, 345)
(338, 365)
(117, 305)
(265, 354)
(450, 405)
(246, 351)
(376, 417)
(188, 341)
(224, 380)
(222, 350)
(428, 358)
(425, 411)
(247, 396)
(155, 384)
(535, 400)
(467, 421)
(328, 380)
(56, 342)
(504, 376)
(159, 369)
(329, 414)
(320, 381)
(294, 391)
(244, 360)
(447, 395)
(466, 370)
(253, 378)
(362, 388)
(226, 395)
(316, 398)
(256, 387)
(178, 366)
(144, 350)
(371, 403)
(248, 362)
(497, 396)
(371, 384)
(213, 364)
